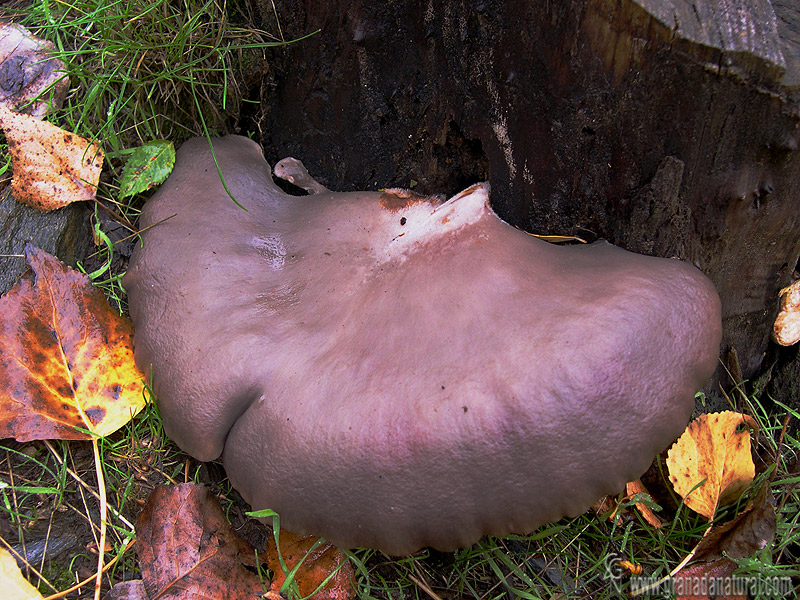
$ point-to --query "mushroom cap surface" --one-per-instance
(391, 371)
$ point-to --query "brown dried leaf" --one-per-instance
(66, 357)
(187, 550)
(52, 167)
(711, 576)
(29, 72)
(13, 584)
(707, 581)
(714, 448)
(318, 564)
(786, 330)
(752, 530)
(128, 590)
(606, 505)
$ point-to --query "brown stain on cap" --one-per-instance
(397, 199)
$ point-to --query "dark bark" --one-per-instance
(65, 233)
(668, 128)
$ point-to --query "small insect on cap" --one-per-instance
(395, 371)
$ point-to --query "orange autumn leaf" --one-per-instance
(317, 565)
(714, 448)
(618, 511)
(52, 167)
(66, 358)
(637, 487)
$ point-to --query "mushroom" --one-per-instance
(394, 371)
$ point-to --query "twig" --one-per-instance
(127, 237)
(425, 588)
(16, 506)
(674, 571)
(277, 20)
(88, 580)
(117, 217)
(21, 535)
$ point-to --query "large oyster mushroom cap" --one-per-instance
(392, 371)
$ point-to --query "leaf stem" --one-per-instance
(86, 486)
(101, 546)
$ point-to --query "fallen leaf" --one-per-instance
(786, 330)
(29, 72)
(715, 448)
(127, 590)
(147, 166)
(607, 505)
(13, 584)
(66, 357)
(707, 581)
(187, 550)
(711, 575)
(318, 564)
(752, 530)
(52, 167)
(619, 511)
(637, 487)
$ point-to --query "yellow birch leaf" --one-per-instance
(13, 584)
(66, 357)
(52, 167)
(714, 448)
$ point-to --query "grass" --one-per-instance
(148, 71)
(143, 71)
(177, 69)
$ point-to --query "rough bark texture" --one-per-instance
(667, 127)
(65, 233)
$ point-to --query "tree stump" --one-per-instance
(668, 127)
